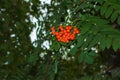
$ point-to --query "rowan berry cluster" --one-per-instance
(65, 34)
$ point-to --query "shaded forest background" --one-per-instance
(96, 58)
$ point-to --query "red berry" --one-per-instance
(61, 28)
(52, 28)
(64, 35)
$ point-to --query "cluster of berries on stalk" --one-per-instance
(65, 34)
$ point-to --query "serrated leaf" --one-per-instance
(104, 8)
(108, 42)
(73, 50)
(100, 21)
(106, 28)
(116, 44)
(85, 28)
(80, 41)
(57, 46)
(118, 21)
(102, 43)
(88, 40)
(89, 59)
(83, 5)
(56, 67)
(108, 12)
(114, 16)
(95, 20)
(53, 45)
(81, 57)
(95, 30)
(94, 41)
(92, 53)
(110, 33)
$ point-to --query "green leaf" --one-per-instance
(95, 30)
(73, 50)
(89, 59)
(114, 16)
(89, 38)
(94, 20)
(83, 5)
(56, 66)
(86, 27)
(106, 28)
(94, 41)
(108, 42)
(57, 46)
(102, 43)
(104, 8)
(53, 45)
(118, 21)
(33, 58)
(86, 56)
(116, 44)
(108, 12)
(97, 8)
(80, 40)
(81, 57)
(92, 53)
(100, 21)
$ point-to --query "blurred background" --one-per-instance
(28, 51)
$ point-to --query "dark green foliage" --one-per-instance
(87, 57)
(98, 28)
(92, 50)
(15, 43)
(74, 50)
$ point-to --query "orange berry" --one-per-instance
(75, 29)
(77, 32)
(61, 32)
(65, 31)
(58, 36)
(52, 29)
(64, 35)
(67, 41)
(69, 27)
(56, 33)
(72, 37)
(53, 32)
(61, 28)
(68, 30)
(58, 40)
